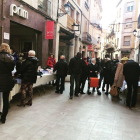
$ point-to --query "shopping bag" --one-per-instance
(94, 82)
(1, 102)
(114, 91)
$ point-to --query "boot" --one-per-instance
(88, 92)
(22, 103)
(29, 103)
(3, 119)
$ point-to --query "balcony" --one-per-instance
(126, 43)
(86, 38)
(45, 7)
(70, 22)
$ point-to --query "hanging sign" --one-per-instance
(49, 29)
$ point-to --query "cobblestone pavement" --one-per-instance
(55, 117)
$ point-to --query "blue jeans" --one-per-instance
(75, 78)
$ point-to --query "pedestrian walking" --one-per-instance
(84, 74)
(75, 72)
(131, 72)
(6, 81)
(93, 72)
(119, 78)
(28, 72)
(61, 68)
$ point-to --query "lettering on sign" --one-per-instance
(18, 10)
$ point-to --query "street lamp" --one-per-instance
(67, 10)
(135, 34)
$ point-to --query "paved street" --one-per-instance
(56, 117)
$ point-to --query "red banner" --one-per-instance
(49, 29)
(90, 48)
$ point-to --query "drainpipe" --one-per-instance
(57, 10)
(2, 30)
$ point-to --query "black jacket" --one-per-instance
(28, 70)
(108, 75)
(6, 67)
(93, 68)
(74, 66)
(131, 71)
(61, 68)
(85, 70)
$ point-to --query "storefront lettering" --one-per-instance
(18, 10)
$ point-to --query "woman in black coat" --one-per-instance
(108, 74)
(6, 80)
(93, 72)
(84, 74)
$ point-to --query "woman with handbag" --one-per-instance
(119, 78)
(6, 81)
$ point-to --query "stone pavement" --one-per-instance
(55, 117)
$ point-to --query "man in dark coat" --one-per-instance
(28, 72)
(84, 74)
(131, 72)
(75, 71)
(61, 68)
(6, 81)
(93, 72)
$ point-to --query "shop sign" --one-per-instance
(6, 36)
(18, 10)
(49, 29)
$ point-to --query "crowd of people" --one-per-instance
(110, 73)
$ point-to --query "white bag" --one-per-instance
(1, 102)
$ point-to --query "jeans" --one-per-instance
(62, 77)
(132, 101)
(77, 80)
(100, 81)
(5, 104)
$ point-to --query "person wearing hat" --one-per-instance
(84, 74)
(131, 72)
(119, 78)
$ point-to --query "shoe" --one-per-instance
(71, 97)
(135, 107)
(103, 89)
(98, 92)
(56, 91)
(106, 93)
(29, 103)
(115, 99)
(61, 92)
(2, 120)
(21, 104)
(127, 107)
(76, 95)
(83, 93)
(88, 92)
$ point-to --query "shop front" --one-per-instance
(24, 28)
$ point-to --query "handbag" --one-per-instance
(114, 91)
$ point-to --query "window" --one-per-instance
(77, 18)
(117, 42)
(128, 23)
(78, 1)
(130, 7)
(86, 26)
(127, 40)
(120, 13)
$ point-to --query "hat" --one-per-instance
(84, 58)
(124, 58)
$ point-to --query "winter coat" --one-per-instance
(61, 68)
(108, 76)
(131, 71)
(119, 76)
(85, 70)
(28, 70)
(6, 67)
(51, 62)
(93, 68)
(74, 66)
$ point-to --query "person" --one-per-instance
(6, 81)
(102, 65)
(108, 74)
(51, 63)
(88, 60)
(84, 74)
(14, 54)
(61, 68)
(75, 72)
(28, 72)
(119, 78)
(131, 73)
(93, 72)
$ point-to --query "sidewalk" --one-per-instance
(55, 117)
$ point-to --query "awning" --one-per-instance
(67, 37)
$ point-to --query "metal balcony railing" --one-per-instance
(86, 38)
(44, 6)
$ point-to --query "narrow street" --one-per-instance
(55, 117)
